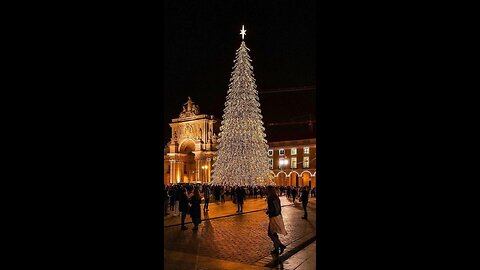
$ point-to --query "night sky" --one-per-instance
(200, 40)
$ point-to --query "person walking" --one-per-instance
(178, 193)
(240, 194)
(294, 194)
(222, 194)
(288, 192)
(195, 212)
(171, 198)
(206, 198)
(304, 199)
(165, 201)
(183, 204)
(275, 225)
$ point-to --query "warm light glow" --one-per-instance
(242, 148)
(243, 32)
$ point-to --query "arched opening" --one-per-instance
(307, 178)
(281, 178)
(187, 174)
(293, 181)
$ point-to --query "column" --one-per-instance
(197, 169)
(209, 169)
(172, 171)
(181, 169)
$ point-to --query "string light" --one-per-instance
(242, 148)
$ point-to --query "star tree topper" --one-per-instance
(243, 32)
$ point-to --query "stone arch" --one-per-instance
(306, 172)
(293, 177)
(188, 167)
(281, 177)
(186, 146)
(293, 172)
(306, 177)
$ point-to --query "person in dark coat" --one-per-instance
(206, 197)
(195, 212)
(240, 193)
(178, 192)
(304, 200)
(222, 194)
(217, 194)
(274, 210)
(288, 192)
(171, 195)
(183, 204)
(165, 201)
(294, 194)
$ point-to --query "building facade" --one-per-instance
(189, 154)
(188, 157)
(293, 162)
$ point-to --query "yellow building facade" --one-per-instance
(189, 154)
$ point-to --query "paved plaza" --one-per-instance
(227, 240)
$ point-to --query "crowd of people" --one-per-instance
(183, 199)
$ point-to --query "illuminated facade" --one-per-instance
(293, 162)
(189, 154)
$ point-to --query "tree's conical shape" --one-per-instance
(242, 148)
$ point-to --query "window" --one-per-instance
(305, 162)
(293, 151)
(270, 152)
(270, 163)
(281, 152)
(293, 163)
(305, 150)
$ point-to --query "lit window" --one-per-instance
(270, 153)
(293, 151)
(281, 152)
(305, 150)
(294, 163)
(270, 163)
(305, 162)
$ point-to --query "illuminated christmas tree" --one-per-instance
(242, 148)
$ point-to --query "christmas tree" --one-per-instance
(242, 148)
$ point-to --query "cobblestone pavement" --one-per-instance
(305, 259)
(239, 238)
(225, 209)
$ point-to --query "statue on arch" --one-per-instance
(196, 110)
